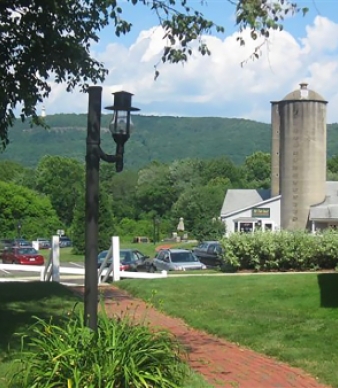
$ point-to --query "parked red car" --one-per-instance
(22, 255)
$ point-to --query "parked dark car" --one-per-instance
(22, 255)
(21, 242)
(65, 242)
(6, 243)
(130, 260)
(209, 253)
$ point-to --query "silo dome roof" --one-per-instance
(303, 93)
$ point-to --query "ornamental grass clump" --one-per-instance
(280, 251)
(121, 354)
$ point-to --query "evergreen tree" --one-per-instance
(106, 224)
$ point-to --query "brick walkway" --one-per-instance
(223, 364)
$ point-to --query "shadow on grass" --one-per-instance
(21, 302)
(328, 286)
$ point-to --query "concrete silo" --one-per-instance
(275, 149)
(299, 147)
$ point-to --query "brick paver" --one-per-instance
(222, 363)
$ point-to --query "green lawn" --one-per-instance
(20, 302)
(289, 316)
(66, 255)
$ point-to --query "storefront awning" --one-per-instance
(246, 219)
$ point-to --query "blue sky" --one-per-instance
(307, 50)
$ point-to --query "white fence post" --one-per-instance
(56, 259)
(47, 270)
(115, 240)
(104, 268)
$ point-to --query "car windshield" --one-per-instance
(183, 257)
(103, 254)
(125, 256)
(27, 251)
(22, 243)
(219, 249)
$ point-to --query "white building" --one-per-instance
(248, 210)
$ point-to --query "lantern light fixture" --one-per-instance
(120, 125)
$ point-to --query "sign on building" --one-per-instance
(260, 212)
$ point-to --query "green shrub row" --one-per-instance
(282, 251)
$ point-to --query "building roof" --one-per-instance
(237, 199)
(327, 210)
(304, 94)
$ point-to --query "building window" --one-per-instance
(268, 227)
(246, 227)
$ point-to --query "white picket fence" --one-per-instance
(52, 270)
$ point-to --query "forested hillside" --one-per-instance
(154, 138)
(164, 139)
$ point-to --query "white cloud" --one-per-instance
(218, 85)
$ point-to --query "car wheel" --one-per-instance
(152, 269)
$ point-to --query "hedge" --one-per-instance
(280, 251)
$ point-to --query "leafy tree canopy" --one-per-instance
(155, 191)
(258, 169)
(51, 39)
(332, 164)
(106, 224)
(33, 211)
(121, 188)
(209, 229)
(14, 172)
(62, 179)
(198, 204)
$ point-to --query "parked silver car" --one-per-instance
(176, 260)
(44, 243)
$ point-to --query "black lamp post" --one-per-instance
(19, 229)
(120, 129)
(156, 223)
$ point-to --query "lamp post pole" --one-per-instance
(154, 230)
(92, 206)
(120, 129)
(19, 229)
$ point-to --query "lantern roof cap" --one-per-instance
(122, 101)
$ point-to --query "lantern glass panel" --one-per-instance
(119, 123)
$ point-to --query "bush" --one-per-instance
(120, 354)
(282, 251)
